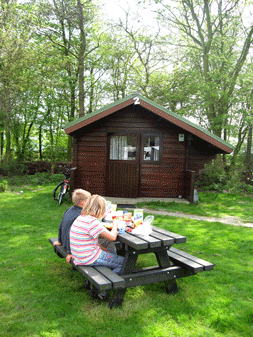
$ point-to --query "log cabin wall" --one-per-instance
(89, 155)
(163, 179)
(199, 153)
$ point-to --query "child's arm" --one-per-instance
(111, 235)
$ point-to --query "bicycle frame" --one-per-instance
(63, 185)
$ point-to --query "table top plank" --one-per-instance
(152, 241)
(133, 241)
(177, 237)
(165, 240)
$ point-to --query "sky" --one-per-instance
(116, 9)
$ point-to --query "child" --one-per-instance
(84, 235)
(79, 199)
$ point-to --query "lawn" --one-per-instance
(213, 205)
(42, 296)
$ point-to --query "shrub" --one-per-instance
(43, 178)
(212, 178)
(3, 185)
(215, 178)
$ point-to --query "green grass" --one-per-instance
(41, 295)
(213, 205)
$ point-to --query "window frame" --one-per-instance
(120, 134)
(143, 137)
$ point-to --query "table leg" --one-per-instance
(164, 261)
(129, 263)
(127, 267)
(163, 258)
(171, 287)
(117, 298)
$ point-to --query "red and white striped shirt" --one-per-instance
(84, 234)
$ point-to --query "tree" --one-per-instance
(66, 24)
(15, 37)
(212, 35)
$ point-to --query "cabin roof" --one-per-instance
(156, 109)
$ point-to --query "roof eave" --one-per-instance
(155, 108)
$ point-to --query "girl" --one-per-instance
(84, 235)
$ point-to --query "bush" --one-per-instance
(3, 185)
(212, 178)
(215, 178)
(237, 185)
(44, 178)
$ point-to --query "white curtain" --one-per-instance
(118, 145)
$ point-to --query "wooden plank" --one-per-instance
(133, 241)
(117, 281)
(52, 240)
(166, 241)
(100, 277)
(206, 265)
(184, 262)
(59, 250)
(178, 238)
(97, 279)
(152, 241)
(152, 276)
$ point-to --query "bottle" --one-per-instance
(148, 220)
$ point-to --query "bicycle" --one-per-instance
(63, 187)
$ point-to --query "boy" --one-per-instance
(79, 199)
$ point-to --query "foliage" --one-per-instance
(42, 296)
(213, 42)
(61, 59)
(212, 178)
(43, 178)
(216, 178)
(3, 185)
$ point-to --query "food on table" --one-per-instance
(138, 217)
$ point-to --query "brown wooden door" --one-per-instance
(123, 163)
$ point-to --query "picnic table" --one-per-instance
(172, 264)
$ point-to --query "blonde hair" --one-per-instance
(95, 206)
(79, 196)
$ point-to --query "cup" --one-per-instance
(114, 207)
(121, 226)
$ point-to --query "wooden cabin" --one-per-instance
(136, 148)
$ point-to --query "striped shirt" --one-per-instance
(84, 234)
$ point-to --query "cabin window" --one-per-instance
(151, 150)
(123, 147)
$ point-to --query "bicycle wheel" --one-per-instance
(57, 190)
(60, 198)
(64, 189)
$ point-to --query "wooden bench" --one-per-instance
(188, 261)
(100, 277)
(173, 264)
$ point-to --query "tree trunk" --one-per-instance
(241, 136)
(248, 159)
(40, 143)
(81, 59)
(7, 157)
(1, 145)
